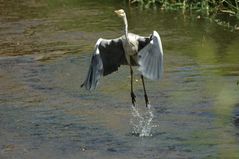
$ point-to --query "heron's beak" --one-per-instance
(117, 12)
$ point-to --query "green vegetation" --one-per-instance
(223, 12)
(229, 6)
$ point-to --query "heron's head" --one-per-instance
(120, 13)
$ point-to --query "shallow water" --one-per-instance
(45, 50)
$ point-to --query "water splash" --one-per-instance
(142, 121)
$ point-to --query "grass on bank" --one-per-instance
(223, 12)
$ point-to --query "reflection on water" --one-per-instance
(45, 49)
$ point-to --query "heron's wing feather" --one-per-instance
(95, 69)
(112, 55)
(151, 57)
(107, 57)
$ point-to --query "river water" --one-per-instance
(45, 48)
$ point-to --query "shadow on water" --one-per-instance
(45, 49)
(236, 117)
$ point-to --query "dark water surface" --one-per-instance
(45, 48)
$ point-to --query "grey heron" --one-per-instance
(129, 49)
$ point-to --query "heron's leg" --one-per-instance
(145, 93)
(132, 91)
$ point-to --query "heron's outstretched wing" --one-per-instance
(107, 57)
(151, 56)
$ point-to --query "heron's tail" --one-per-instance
(94, 73)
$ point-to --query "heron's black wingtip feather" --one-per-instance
(94, 73)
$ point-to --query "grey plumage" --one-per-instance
(129, 49)
(151, 58)
(107, 57)
(110, 54)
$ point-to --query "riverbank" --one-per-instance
(223, 12)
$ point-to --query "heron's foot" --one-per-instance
(146, 100)
(133, 98)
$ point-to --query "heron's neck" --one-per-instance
(126, 27)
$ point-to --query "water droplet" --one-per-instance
(142, 122)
